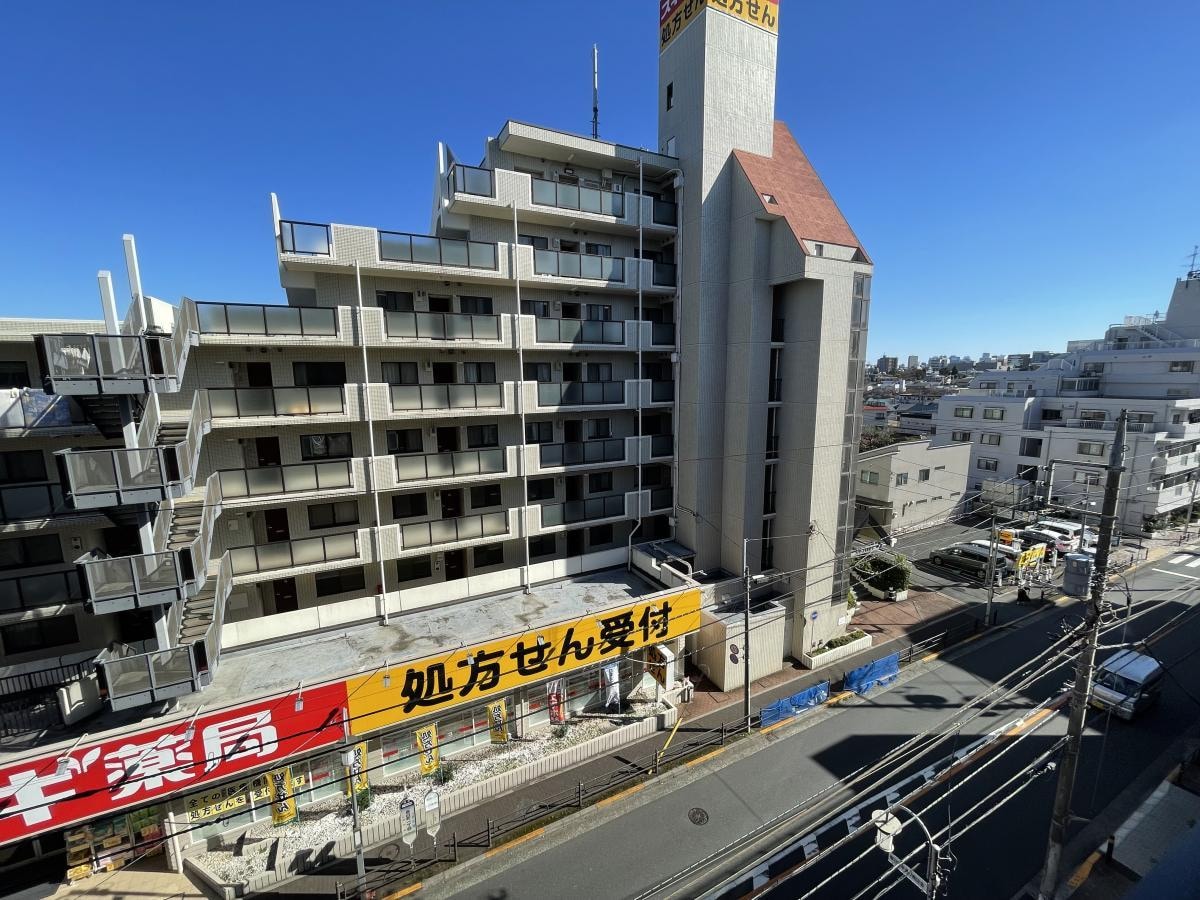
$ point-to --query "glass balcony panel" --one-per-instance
(491, 461)
(326, 400)
(543, 192)
(465, 463)
(590, 200)
(470, 180)
(222, 403)
(616, 270)
(461, 396)
(482, 255)
(548, 394)
(592, 267)
(571, 331)
(333, 475)
(662, 333)
(90, 472)
(665, 213)
(318, 321)
(301, 237)
(489, 395)
(546, 330)
(172, 667)
(435, 396)
(662, 391)
(661, 445)
(246, 319)
(276, 556)
(292, 401)
(266, 480)
(282, 320)
(110, 578)
(592, 332)
(430, 325)
(441, 465)
(593, 391)
(545, 262)
(127, 676)
(443, 531)
(494, 524)
(568, 196)
(552, 514)
(233, 483)
(401, 324)
(292, 478)
(551, 454)
(396, 247)
(616, 204)
(614, 332)
(663, 274)
(243, 560)
(120, 356)
(459, 328)
(252, 402)
(454, 253)
(568, 265)
(341, 546)
(211, 318)
(406, 396)
(156, 571)
(415, 535)
(409, 468)
(71, 356)
(486, 328)
(470, 528)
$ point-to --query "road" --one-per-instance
(648, 841)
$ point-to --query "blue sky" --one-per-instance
(1022, 173)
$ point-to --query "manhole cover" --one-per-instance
(698, 816)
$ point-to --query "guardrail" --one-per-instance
(400, 246)
(563, 264)
(446, 531)
(580, 393)
(471, 180)
(448, 465)
(234, 403)
(106, 357)
(579, 453)
(129, 582)
(442, 326)
(661, 445)
(120, 471)
(579, 331)
(263, 319)
(34, 409)
(42, 679)
(45, 589)
(287, 554)
(446, 396)
(577, 197)
(23, 502)
(292, 478)
(587, 510)
(305, 238)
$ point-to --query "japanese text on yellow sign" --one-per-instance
(283, 800)
(476, 672)
(427, 747)
(498, 721)
(676, 15)
(358, 776)
(232, 797)
(1031, 556)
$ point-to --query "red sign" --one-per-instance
(98, 779)
(665, 8)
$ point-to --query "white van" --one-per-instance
(1072, 531)
(1126, 683)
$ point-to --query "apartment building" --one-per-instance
(1017, 422)
(910, 484)
(602, 378)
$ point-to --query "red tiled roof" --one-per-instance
(800, 195)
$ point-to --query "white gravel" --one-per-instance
(330, 819)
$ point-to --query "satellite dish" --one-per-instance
(887, 826)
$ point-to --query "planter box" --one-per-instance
(830, 656)
(883, 595)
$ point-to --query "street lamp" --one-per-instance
(888, 826)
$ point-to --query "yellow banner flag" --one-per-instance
(427, 746)
(283, 801)
(357, 776)
(498, 720)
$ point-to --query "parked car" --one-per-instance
(968, 558)
(1060, 543)
(1072, 531)
(1005, 550)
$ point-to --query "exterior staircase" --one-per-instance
(199, 609)
(103, 411)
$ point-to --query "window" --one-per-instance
(599, 428)
(1182, 365)
(13, 374)
(326, 446)
(539, 308)
(962, 437)
(479, 373)
(319, 374)
(995, 413)
(330, 583)
(475, 306)
(597, 249)
(923, 475)
(33, 550)
(769, 199)
(600, 482)
(543, 545)
(489, 555)
(414, 568)
(1082, 476)
(818, 249)
(597, 312)
(400, 373)
(409, 506)
(539, 432)
(1089, 448)
(1093, 415)
(405, 440)
(485, 495)
(868, 477)
(599, 371)
(331, 515)
(22, 465)
(534, 241)
(541, 489)
(988, 465)
(537, 371)
(964, 412)
(1031, 447)
(901, 479)
(483, 436)
(987, 385)
(670, 94)
(1051, 415)
(600, 534)
(394, 301)
(991, 439)
(39, 634)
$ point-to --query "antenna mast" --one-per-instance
(595, 92)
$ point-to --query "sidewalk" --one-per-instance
(148, 880)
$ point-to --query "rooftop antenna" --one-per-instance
(595, 92)
(1193, 272)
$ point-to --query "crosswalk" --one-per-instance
(1181, 565)
(1187, 560)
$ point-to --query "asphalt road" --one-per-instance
(649, 840)
(918, 545)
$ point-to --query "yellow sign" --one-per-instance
(357, 774)
(498, 721)
(283, 800)
(675, 15)
(232, 797)
(427, 747)
(473, 673)
(1031, 556)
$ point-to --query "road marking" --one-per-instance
(704, 758)
(537, 832)
(1176, 574)
(1176, 560)
(404, 892)
(1081, 874)
(1195, 562)
(836, 699)
(620, 795)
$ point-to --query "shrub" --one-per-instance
(840, 641)
(885, 571)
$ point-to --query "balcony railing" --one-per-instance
(663, 274)
(293, 478)
(665, 213)
(573, 196)
(97, 478)
(32, 591)
(249, 318)
(139, 678)
(30, 408)
(442, 326)
(582, 453)
(305, 238)
(662, 391)
(119, 583)
(576, 331)
(662, 334)
(25, 502)
(447, 531)
(661, 445)
(1081, 384)
(398, 246)
(664, 498)
(578, 265)
(101, 358)
(287, 554)
(582, 510)
(472, 180)
(230, 403)
(463, 463)
(446, 396)
(580, 393)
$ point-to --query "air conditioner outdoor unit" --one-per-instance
(615, 187)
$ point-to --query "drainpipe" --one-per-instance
(675, 355)
(637, 526)
(520, 399)
(370, 466)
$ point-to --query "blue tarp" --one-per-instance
(873, 674)
(795, 704)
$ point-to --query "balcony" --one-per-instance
(663, 499)
(582, 453)
(426, 326)
(561, 264)
(577, 331)
(661, 446)
(305, 238)
(259, 320)
(1079, 386)
(665, 213)
(116, 584)
(30, 410)
(580, 393)
(36, 591)
(439, 397)
(237, 484)
(398, 246)
(663, 274)
(135, 679)
(292, 554)
(575, 511)
(662, 334)
(451, 531)
(577, 197)
(471, 180)
(90, 364)
(240, 403)
(99, 479)
(30, 502)
(460, 464)
(662, 392)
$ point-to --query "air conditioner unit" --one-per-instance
(615, 187)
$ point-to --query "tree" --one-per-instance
(954, 371)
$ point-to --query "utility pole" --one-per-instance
(1083, 668)
(746, 635)
(1187, 527)
(991, 574)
